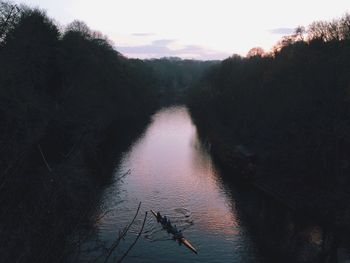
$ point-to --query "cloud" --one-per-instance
(282, 31)
(143, 34)
(144, 49)
(163, 42)
(159, 48)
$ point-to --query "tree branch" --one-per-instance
(122, 235)
(43, 156)
(137, 238)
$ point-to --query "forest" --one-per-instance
(63, 94)
(70, 103)
(286, 111)
(175, 76)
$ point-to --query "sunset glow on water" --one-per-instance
(171, 172)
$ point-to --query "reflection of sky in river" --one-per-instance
(171, 172)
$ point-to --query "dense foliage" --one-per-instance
(290, 107)
(175, 76)
(61, 94)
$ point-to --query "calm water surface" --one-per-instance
(170, 171)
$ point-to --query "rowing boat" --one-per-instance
(181, 239)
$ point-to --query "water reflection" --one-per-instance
(280, 234)
(172, 171)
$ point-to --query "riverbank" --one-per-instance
(69, 103)
(325, 205)
(46, 215)
(281, 121)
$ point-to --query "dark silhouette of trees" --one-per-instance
(28, 79)
(299, 34)
(255, 51)
(336, 30)
(174, 76)
(64, 97)
(291, 108)
(65, 94)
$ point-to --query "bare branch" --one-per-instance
(43, 156)
(122, 234)
(137, 238)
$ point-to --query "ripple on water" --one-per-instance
(172, 173)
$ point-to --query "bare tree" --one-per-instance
(9, 14)
(345, 26)
(255, 52)
(316, 30)
(326, 31)
(80, 27)
(284, 42)
(299, 33)
(334, 31)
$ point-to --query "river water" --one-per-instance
(168, 170)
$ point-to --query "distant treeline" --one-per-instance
(175, 76)
(62, 92)
(290, 106)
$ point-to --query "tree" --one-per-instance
(345, 26)
(325, 31)
(79, 27)
(9, 15)
(299, 33)
(255, 52)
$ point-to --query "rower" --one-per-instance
(164, 220)
(159, 217)
(175, 231)
(177, 234)
(180, 234)
(179, 237)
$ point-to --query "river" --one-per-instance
(169, 170)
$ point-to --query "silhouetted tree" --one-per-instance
(255, 51)
(9, 15)
(345, 26)
(299, 33)
(61, 96)
(174, 76)
(291, 108)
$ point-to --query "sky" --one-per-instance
(196, 29)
